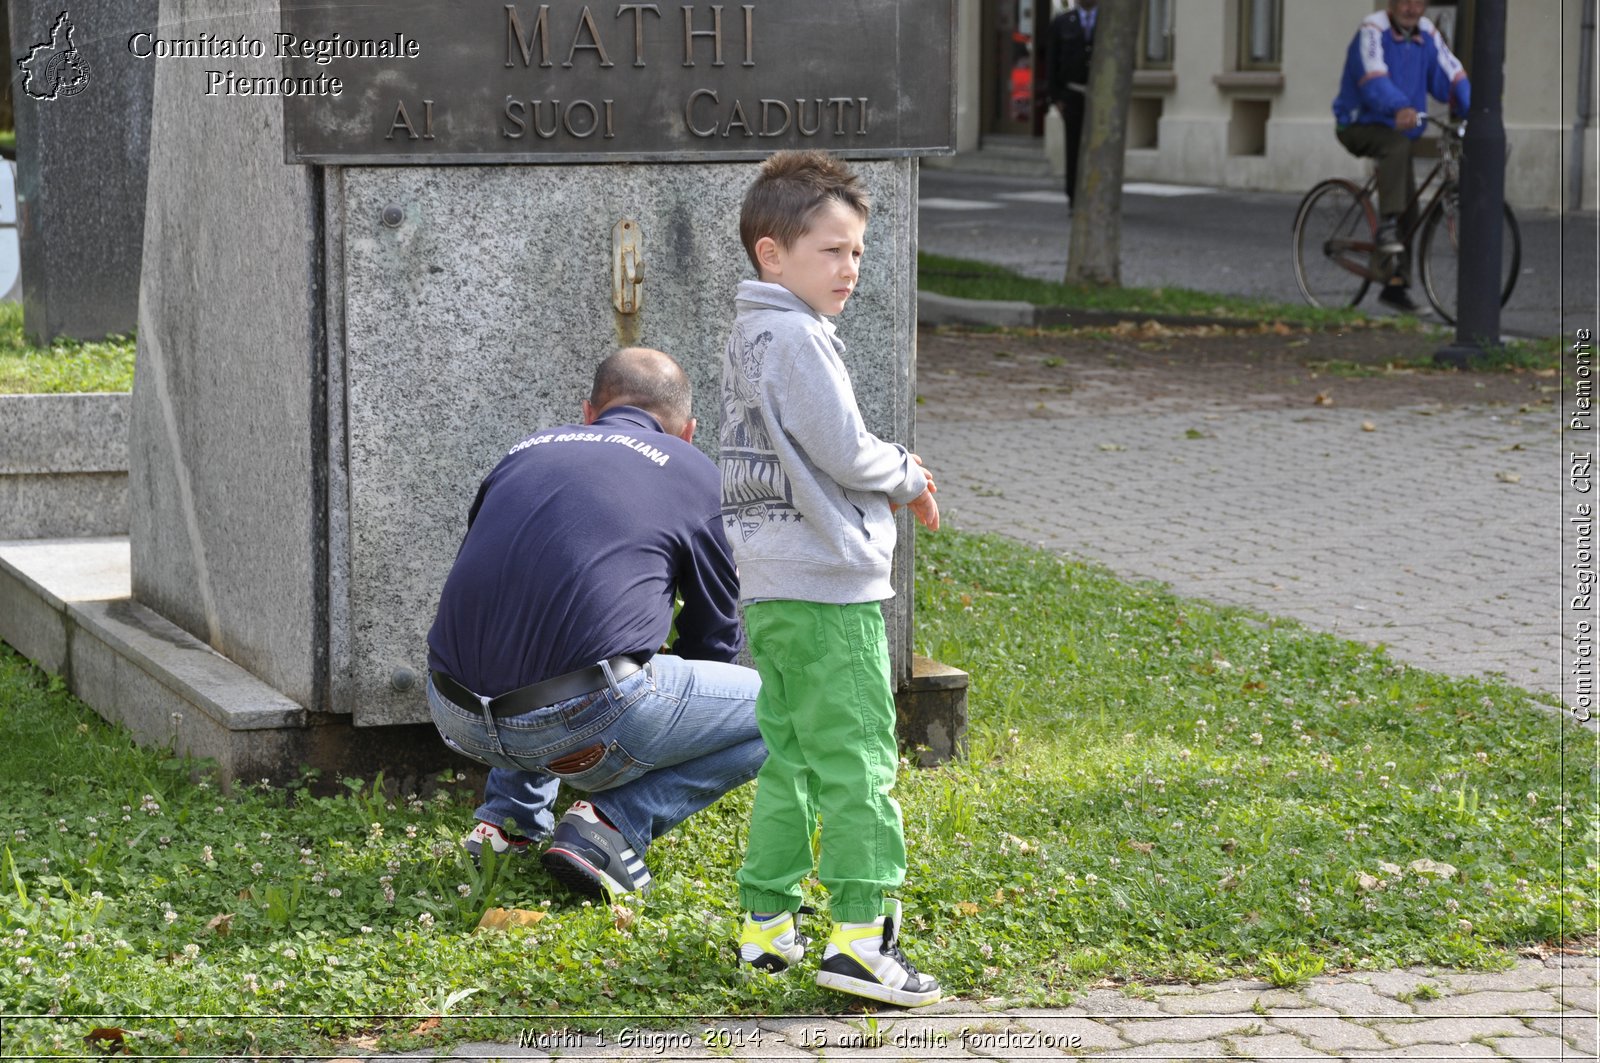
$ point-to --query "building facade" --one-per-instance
(1238, 93)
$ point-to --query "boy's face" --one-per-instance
(823, 264)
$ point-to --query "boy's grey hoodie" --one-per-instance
(805, 487)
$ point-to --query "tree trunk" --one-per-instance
(1094, 255)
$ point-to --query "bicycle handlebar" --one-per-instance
(1447, 127)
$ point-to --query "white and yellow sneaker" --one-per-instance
(864, 959)
(774, 943)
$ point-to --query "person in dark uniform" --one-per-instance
(1067, 52)
(543, 659)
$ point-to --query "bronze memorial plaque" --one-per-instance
(486, 81)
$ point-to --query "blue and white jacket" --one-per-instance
(1386, 71)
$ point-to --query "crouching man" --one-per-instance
(543, 658)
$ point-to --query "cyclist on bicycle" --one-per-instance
(1395, 61)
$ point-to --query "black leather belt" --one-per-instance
(540, 695)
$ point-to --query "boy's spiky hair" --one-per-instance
(786, 195)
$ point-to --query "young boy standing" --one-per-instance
(807, 500)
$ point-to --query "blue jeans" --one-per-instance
(662, 744)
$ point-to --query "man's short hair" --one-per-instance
(648, 379)
(786, 195)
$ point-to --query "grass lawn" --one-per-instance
(1157, 789)
(64, 366)
(969, 279)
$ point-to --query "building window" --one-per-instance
(1155, 38)
(1260, 34)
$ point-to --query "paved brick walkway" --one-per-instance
(1538, 1011)
(1433, 532)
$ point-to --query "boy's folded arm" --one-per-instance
(822, 418)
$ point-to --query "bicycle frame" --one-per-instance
(1416, 212)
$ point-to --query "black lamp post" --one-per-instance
(1483, 193)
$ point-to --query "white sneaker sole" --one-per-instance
(875, 990)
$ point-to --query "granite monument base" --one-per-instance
(932, 708)
(64, 604)
(63, 465)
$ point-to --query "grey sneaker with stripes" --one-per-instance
(592, 857)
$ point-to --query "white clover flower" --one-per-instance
(1256, 738)
(426, 919)
(1464, 925)
(192, 951)
(257, 867)
(464, 889)
(25, 964)
(336, 893)
(170, 916)
(1090, 879)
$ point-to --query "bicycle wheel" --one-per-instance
(1334, 234)
(1441, 247)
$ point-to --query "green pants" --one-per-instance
(826, 712)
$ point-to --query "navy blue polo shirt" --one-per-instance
(576, 544)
